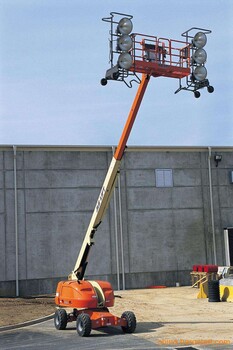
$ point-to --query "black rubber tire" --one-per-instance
(197, 94)
(103, 82)
(210, 89)
(60, 319)
(131, 322)
(83, 325)
(213, 291)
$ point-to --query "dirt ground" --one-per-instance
(169, 316)
(19, 310)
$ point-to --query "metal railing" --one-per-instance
(161, 51)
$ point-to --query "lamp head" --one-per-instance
(125, 60)
(199, 40)
(125, 26)
(200, 73)
(200, 56)
(125, 42)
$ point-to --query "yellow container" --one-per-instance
(226, 293)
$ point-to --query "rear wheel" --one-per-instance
(210, 89)
(60, 319)
(103, 82)
(131, 322)
(197, 94)
(83, 325)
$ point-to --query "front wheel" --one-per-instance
(83, 325)
(131, 322)
(60, 319)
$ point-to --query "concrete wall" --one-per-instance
(165, 230)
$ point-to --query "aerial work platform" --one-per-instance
(160, 56)
(152, 57)
(135, 53)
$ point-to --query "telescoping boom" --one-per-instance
(108, 185)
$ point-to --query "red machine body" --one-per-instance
(84, 294)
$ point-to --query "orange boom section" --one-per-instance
(131, 117)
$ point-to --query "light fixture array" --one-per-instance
(121, 45)
(198, 78)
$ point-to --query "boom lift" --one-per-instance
(87, 302)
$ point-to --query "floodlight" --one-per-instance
(200, 73)
(199, 40)
(125, 60)
(200, 56)
(125, 26)
(125, 43)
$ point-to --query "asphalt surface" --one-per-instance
(45, 336)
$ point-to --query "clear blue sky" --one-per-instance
(53, 54)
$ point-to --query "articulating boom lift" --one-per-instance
(87, 302)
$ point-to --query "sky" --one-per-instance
(53, 54)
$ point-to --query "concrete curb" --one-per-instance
(25, 324)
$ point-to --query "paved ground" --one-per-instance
(45, 336)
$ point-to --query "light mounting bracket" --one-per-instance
(120, 43)
(197, 80)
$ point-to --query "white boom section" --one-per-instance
(109, 184)
(97, 216)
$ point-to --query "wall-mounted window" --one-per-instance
(163, 178)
